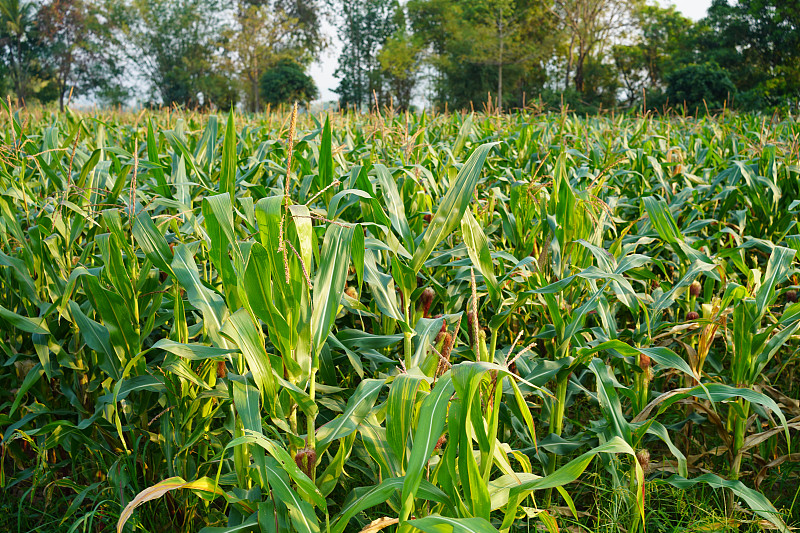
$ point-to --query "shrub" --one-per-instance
(700, 87)
(287, 82)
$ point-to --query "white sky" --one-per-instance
(322, 70)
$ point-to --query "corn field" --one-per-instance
(452, 323)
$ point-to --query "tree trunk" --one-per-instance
(579, 72)
(19, 85)
(569, 62)
(256, 101)
(500, 64)
(500, 88)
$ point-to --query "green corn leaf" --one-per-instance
(778, 267)
(326, 156)
(527, 416)
(376, 443)
(364, 498)
(23, 323)
(399, 412)
(668, 298)
(258, 295)
(152, 242)
(656, 428)
(300, 512)
(432, 417)
(569, 473)
(193, 352)
(286, 462)
(97, 338)
(478, 249)
(661, 355)
(446, 524)
(397, 210)
(358, 407)
(329, 282)
(754, 500)
(152, 156)
(452, 207)
(467, 378)
(31, 378)
(207, 301)
(426, 331)
(331, 476)
(463, 134)
(610, 405)
(662, 220)
(382, 287)
(713, 392)
(112, 309)
(218, 215)
(241, 329)
(180, 368)
(227, 175)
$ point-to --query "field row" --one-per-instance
(297, 323)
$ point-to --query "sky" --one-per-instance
(322, 70)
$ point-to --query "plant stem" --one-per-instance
(556, 427)
(739, 428)
(407, 346)
(493, 345)
(311, 420)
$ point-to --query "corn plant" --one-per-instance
(296, 323)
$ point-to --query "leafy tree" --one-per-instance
(477, 48)
(500, 29)
(364, 28)
(80, 47)
(18, 46)
(663, 40)
(175, 43)
(400, 61)
(260, 37)
(601, 84)
(699, 86)
(220, 90)
(287, 82)
(590, 26)
(307, 16)
(758, 43)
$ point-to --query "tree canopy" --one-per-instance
(588, 54)
(287, 82)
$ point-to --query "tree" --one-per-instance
(364, 28)
(400, 60)
(758, 43)
(261, 36)
(500, 27)
(480, 47)
(80, 47)
(307, 15)
(700, 86)
(176, 45)
(18, 44)
(590, 26)
(287, 82)
(662, 41)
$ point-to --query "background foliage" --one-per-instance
(587, 54)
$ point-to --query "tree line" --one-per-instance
(192, 53)
(589, 54)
